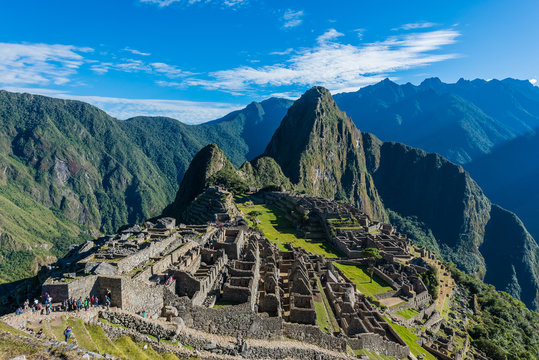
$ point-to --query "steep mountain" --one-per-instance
(209, 163)
(460, 121)
(509, 174)
(320, 150)
(68, 170)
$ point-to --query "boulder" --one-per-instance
(169, 312)
(89, 267)
(84, 248)
(105, 268)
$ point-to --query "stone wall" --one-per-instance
(313, 335)
(138, 297)
(138, 259)
(375, 342)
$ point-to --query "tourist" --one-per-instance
(18, 311)
(158, 339)
(86, 304)
(67, 333)
(143, 314)
(96, 301)
(26, 304)
(48, 308)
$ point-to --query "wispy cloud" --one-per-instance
(415, 26)
(338, 66)
(329, 35)
(134, 65)
(39, 63)
(292, 18)
(136, 52)
(165, 3)
(284, 52)
(189, 112)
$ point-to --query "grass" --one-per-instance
(408, 313)
(130, 349)
(321, 317)
(361, 278)
(372, 355)
(333, 325)
(409, 337)
(11, 347)
(279, 230)
(219, 304)
(10, 329)
(149, 351)
(58, 329)
(103, 342)
(81, 334)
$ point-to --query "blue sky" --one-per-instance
(196, 60)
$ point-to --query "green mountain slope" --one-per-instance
(78, 171)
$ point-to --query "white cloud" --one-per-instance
(338, 66)
(329, 35)
(189, 112)
(132, 65)
(165, 3)
(415, 26)
(136, 52)
(292, 18)
(533, 81)
(284, 52)
(39, 63)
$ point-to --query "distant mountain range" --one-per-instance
(69, 171)
(460, 121)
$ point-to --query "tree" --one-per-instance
(372, 254)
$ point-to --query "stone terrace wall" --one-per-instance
(375, 342)
(312, 334)
(156, 247)
(138, 296)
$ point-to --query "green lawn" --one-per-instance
(408, 313)
(221, 304)
(409, 337)
(321, 317)
(81, 334)
(103, 342)
(360, 277)
(130, 349)
(332, 324)
(279, 230)
(372, 355)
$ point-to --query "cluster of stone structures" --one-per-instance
(173, 270)
(350, 231)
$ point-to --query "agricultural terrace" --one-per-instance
(360, 276)
(273, 223)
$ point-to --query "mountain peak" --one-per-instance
(208, 161)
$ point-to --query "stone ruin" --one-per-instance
(186, 270)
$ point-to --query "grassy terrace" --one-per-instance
(408, 313)
(372, 355)
(410, 338)
(324, 314)
(360, 277)
(279, 230)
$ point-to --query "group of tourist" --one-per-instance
(72, 304)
